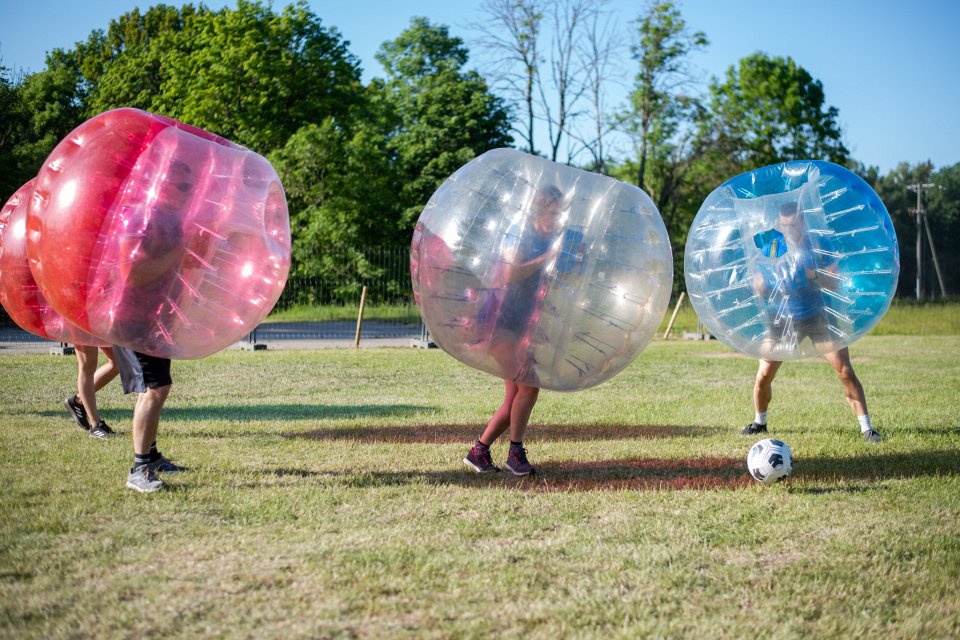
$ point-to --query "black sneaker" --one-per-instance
(872, 436)
(480, 460)
(102, 431)
(753, 429)
(517, 463)
(77, 412)
(163, 465)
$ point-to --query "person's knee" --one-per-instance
(159, 394)
(848, 377)
(529, 394)
(765, 377)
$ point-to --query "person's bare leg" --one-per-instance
(523, 403)
(763, 385)
(852, 389)
(107, 371)
(86, 390)
(500, 420)
(146, 418)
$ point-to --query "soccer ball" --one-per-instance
(769, 461)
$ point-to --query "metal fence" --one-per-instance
(322, 307)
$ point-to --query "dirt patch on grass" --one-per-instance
(642, 473)
(467, 433)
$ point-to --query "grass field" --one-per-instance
(327, 498)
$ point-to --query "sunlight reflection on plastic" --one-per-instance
(19, 294)
(540, 273)
(791, 260)
(147, 232)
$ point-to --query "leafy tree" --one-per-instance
(249, 74)
(658, 109)
(662, 120)
(442, 116)
(124, 67)
(339, 187)
(769, 110)
(943, 213)
(942, 204)
(44, 108)
(12, 125)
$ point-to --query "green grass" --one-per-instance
(327, 498)
(327, 313)
(903, 317)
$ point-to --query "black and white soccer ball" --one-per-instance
(769, 461)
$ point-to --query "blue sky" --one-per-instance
(891, 68)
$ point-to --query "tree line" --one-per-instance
(359, 161)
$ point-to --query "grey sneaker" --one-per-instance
(102, 431)
(753, 429)
(144, 480)
(872, 436)
(480, 460)
(163, 465)
(77, 412)
(517, 463)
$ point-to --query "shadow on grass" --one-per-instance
(829, 475)
(261, 412)
(468, 433)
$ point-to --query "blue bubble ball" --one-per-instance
(792, 260)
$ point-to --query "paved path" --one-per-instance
(276, 335)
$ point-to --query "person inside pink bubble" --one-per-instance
(152, 256)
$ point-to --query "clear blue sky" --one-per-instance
(891, 68)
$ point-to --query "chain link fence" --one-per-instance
(317, 307)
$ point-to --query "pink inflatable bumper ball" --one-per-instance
(19, 293)
(158, 236)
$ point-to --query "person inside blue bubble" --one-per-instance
(521, 287)
(793, 282)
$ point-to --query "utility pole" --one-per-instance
(920, 214)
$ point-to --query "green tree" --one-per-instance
(943, 213)
(339, 187)
(769, 110)
(12, 125)
(658, 109)
(250, 74)
(46, 108)
(124, 66)
(942, 204)
(662, 119)
(441, 115)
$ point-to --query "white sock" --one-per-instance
(865, 425)
(761, 417)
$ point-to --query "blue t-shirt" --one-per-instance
(790, 270)
(520, 298)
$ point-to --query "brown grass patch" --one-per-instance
(467, 433)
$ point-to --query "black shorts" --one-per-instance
(139, 371)
(814, 328)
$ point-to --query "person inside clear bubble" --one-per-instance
(520, 285)
(792, 286)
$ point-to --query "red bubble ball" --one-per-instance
(158, 236)
(19, 293)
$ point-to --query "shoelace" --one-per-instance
(483, 456)
(520, 453)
